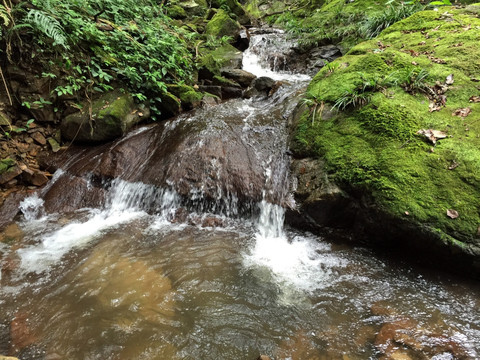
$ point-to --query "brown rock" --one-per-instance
(11, 173)
(36, 178)
(39, 138)
(263, 357)
(21, 333)
(10, 233)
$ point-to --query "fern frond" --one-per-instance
(48, 25)
(4, 15)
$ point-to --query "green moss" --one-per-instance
(5, 164)
(376, 149)
(188, 96)
(222, 25)
(223, 56)
(176, 12)
(223, 81)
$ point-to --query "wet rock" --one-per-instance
(111, 116)
(170, 105)
(263, 83)
(203, 157)
(321, 201)
(211, 89)
(11, 233)
(35, 178)
(21, 333)
(264, 357)
(9, 209)
(327, 52)
(231, 92)
(242, 77)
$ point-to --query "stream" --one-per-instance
(151, 273)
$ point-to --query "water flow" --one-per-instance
(266, 56)
(125, 203)
(125, 281)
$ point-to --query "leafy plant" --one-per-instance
(48, 25)
(352, 98)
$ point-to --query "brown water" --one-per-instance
(133, 280)
(148, 289)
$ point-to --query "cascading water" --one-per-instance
(142, 269)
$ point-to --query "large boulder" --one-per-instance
(223, 25)
(404, 146)
(105, 119)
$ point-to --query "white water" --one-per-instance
(261, 61)
(126, 202)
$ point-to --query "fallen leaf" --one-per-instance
(422, 43)
(407, 213)
(433, 106)
(437, 60)
(452, 214)
(449, 79)
(457, 45)
(475, 99)
(462, 112)
(467, 27)
(432, 135)
(436, 29)
(453, 165)
(414, 63)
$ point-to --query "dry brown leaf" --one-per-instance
(422, 43)
(467, 27)
(452, 214)
(432, 135)
(462, 112)
(449, 79)
(433, 106)
(413, 53)
(414, 63)
(437, 60)
(475, 99)
(457, 45)
(453, 165)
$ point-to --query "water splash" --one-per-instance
(126, 202)
(259, 59)
(32, 207)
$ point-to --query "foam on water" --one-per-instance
(258, 59)
(296, 263)
(126, 202)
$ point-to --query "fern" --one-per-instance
(4, 15)
(48, 25)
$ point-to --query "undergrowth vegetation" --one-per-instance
(87, 44)
(345, 23)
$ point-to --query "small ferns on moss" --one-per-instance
(48, 25)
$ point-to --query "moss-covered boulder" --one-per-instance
(235, 8)
(212, 62)
(223, 25)
(104, 119)
(189, 97)
(404, 138)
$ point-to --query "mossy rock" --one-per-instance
(189, 97)
(176, 12)
(5, 164)
(223, 25)
(112, 115)
(170, 105)
(235, 8)
(194, 7)
(375, 150)
(213, 61)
